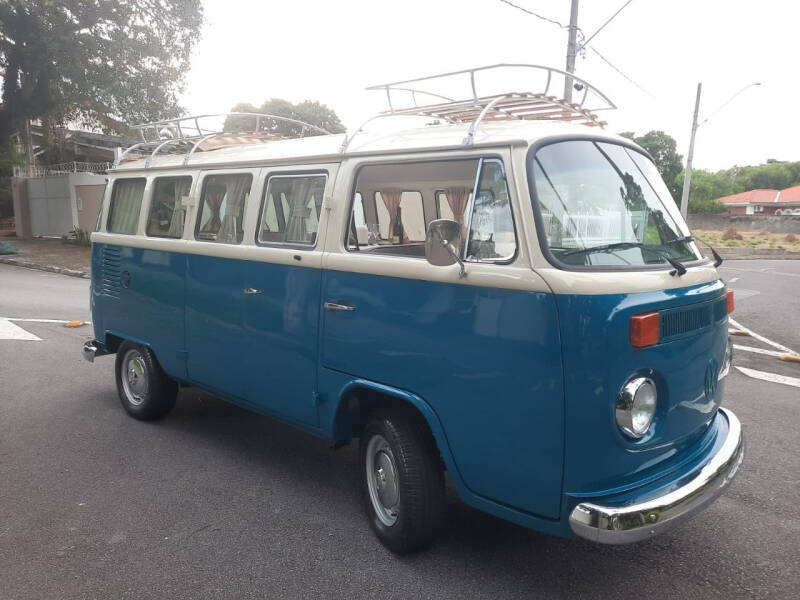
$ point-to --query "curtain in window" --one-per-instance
(457, 198)
(125, 206)
(391, 198)
(300, 211)
(238, 190)
(181, 189)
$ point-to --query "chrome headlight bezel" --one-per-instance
(639, 395)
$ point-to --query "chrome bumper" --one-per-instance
(634, 522)
(92, 349)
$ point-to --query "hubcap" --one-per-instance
(384, 492)
(134, 377)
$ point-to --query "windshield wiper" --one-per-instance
(678, 266)
(690, 238)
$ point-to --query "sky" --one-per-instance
(328, 51)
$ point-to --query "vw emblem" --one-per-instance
(712, 380)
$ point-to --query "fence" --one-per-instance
(62, 169)
(780, 224)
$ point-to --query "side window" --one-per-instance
(291, 209)
(443, 210)
(166, 212)
(126, 202)
(222, 207)
(491, 225)
(396, 197)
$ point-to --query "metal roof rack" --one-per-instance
(526, 105)
(186, 135)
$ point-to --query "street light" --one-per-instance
(687, 176)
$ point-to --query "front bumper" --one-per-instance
(634, 521)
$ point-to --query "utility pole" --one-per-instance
(572, 50)
(687, 176)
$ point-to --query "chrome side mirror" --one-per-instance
(443, 244)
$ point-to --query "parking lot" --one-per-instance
(217, 502)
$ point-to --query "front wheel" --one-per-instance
(145, 391)
(402, 482)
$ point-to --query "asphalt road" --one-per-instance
(216, 502)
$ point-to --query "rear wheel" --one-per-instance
(402, 481)
(145, 391)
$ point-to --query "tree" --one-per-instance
(94, 62)
(308, 111)
(663, 148)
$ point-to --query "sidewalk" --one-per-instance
(49, 255)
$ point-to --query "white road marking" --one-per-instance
(761, 338)
(793, 381)
(759, 350)
(9, 331)
(21, 320)
(733, 280)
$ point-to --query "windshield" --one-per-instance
(603, 204)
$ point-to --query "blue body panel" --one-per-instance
(486, 360)
(518, 387)
(599, 360)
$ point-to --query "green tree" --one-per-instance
(664, 150)
(308, 111)
(94, 62)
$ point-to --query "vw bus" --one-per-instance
(506, 296)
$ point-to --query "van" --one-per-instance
(506, 296)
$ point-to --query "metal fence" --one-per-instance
(62, 169)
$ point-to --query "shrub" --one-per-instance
(791, 238)
(731, 234)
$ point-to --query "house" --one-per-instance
(764, 202)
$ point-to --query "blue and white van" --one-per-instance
(522, 310)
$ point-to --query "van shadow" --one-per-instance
(307, 467)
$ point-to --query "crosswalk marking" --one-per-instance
(774, 378)
(9, 331)
(761, 338)
(759, 350)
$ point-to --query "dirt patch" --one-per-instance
(732, 238)
(52, 252)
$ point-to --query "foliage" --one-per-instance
(78, 237)
(663, 148)
(8, 159)
(307, 111)
(94, 62)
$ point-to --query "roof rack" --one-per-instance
(186, 135)
(527, 105)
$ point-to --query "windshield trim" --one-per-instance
(537, 214)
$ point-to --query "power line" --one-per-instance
(537, 15)
(610, 64)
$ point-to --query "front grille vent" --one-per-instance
(680, 322)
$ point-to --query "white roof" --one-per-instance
(327, 147)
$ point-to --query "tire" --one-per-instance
(402, 481)
(144, 389)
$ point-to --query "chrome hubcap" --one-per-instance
(384, 491)
(134, 377)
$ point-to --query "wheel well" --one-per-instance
(112, 342)
(360, 403)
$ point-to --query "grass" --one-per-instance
(749, 239)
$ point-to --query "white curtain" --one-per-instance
(235, 199)
(181, 189)
(126, 203)
(391, 198)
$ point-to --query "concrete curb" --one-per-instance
(19, 262)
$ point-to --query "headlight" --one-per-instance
(636, 406)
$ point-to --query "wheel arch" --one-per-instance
(360, 397)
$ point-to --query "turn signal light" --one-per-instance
(645, 330)
(730, 301)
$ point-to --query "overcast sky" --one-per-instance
(330, 51)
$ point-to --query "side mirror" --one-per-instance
(443, 244)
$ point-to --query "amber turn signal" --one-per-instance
(644, 330)
(729, 293)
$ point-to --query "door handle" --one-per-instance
(250, 291)
(335, 306)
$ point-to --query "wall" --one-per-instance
(773, 224)
(22, 213)
(88, 198)
(50, 202)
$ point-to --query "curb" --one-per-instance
(19, 262)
